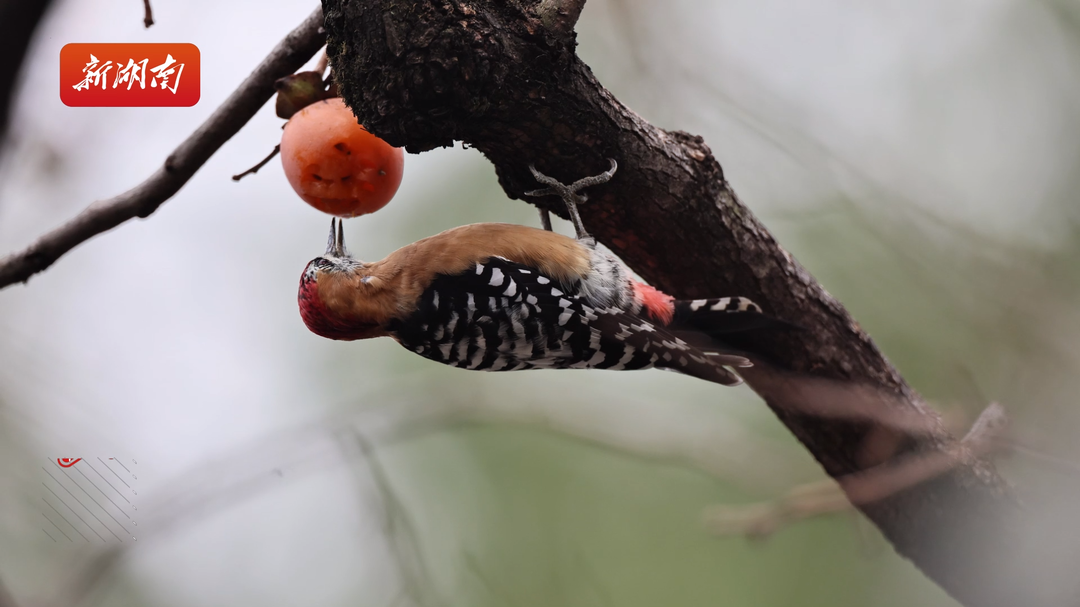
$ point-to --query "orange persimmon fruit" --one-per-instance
(335, 165)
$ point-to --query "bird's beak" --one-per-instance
(335, 245)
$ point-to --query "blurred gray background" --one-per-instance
(919, 157)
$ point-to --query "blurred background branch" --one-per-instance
(238, 477)
(762, 519)
(863, 488)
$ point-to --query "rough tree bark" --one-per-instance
(502, 76)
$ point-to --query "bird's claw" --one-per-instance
(558, 188)
(569, 193)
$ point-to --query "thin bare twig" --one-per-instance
(148, 16)
(142, 200)
(262, 163)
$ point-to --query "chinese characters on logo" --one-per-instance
(132, 73)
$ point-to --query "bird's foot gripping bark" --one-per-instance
(569, 194)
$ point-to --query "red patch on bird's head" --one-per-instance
(319, 318)
(658, 304)
(312, 309)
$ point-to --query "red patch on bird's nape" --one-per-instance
(658, 304)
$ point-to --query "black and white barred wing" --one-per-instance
(498, 315)
(472, 320)
(502, 315)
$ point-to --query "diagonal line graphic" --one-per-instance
(55, 525)
(107, 481)
(114, 472)
(72, 509)
(47, 533)
(62, 516)
(121, 465)
(102, 492)
(107, 513)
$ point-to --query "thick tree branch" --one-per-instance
(288, 56)
(424, 74)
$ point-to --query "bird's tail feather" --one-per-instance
(725, 329)
(720, 316)
(708, 366)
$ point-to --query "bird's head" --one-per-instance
(339, 295)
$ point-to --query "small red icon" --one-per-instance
(67, 462)
(110, 75)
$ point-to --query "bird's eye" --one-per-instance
(322, 263)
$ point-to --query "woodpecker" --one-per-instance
(502, 297)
